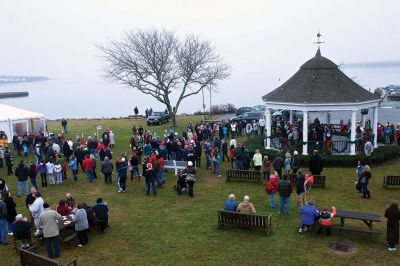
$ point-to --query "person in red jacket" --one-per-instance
(232, 155)
(88, 166)
(62, 208)
(325, 220)
(272, 188)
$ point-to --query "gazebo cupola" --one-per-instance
(319, 85)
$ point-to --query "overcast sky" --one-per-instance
(264, 42)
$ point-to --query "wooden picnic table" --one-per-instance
(366, 217)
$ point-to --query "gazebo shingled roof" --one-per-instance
(319, 81)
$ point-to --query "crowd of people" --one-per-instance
(45, 221)
(146, 158)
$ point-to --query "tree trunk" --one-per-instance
(173, 119)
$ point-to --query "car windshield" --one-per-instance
(157, 114)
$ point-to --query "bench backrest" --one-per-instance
(391, 180)
(243, 175)
(30, 258)
(244, 219)
(177, 164)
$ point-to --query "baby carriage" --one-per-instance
(181, 183)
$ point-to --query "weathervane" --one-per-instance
(319, 35)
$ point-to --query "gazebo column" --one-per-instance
(291, 116)
(268, 127)
(353, 132)
(305, 132)
(375, 127)
(328, 118)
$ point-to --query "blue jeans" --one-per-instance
(159, 178)
(153, 187)
(56, 242)
(173, 154)
(135, 169)
(208, 164)
(284, 201)
(38, 159)
(74, 172)
(272, 200)
(90, 176)
(10, 227)
(93, 152)
(239, 165)
(3, 231)
(33, 181)
(20, 188)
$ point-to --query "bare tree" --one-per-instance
(158, 63)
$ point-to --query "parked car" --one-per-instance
(243, 110)
(248, 117)
(259, 108)
(157, 118)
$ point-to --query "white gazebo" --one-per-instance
(320, 86)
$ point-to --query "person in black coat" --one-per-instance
(393, 216)
(21, 172)
(11, 211)
(315, 164)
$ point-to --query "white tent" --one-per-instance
(13, 119)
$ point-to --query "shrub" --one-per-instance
(380, 155)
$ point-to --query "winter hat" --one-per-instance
(19, 217)
(149, 166)
(190, 163)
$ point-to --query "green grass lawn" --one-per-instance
(176, 230)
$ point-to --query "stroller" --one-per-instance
(181, 183)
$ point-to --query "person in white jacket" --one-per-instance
(50, 172)
(58, 173)
(36, 209)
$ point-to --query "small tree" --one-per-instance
(158, 63)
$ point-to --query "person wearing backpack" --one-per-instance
(191, 177)
(366, 176)
(285, 188)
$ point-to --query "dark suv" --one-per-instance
(157, 118)
(248, 117)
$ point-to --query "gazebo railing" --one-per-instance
(335, 147)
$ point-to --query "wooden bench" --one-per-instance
(172, 164)
(30, 257)
(243, 175)
(67, 239)
(319, 180)
(391, 180)
(244, 220)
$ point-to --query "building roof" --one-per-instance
(319, 81)
(8, 112)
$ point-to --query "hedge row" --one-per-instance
(380, 155)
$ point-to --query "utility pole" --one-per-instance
(204, 105)
(210, 102)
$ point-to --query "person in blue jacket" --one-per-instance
(309, 215)
(231, 205)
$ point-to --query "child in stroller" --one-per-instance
(181, 183)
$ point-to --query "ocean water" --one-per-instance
(97, 98)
